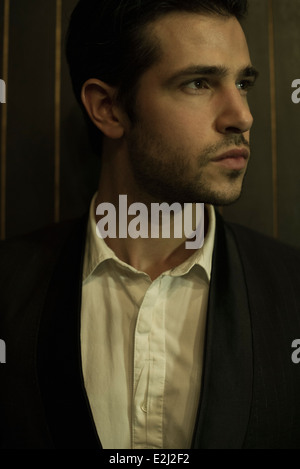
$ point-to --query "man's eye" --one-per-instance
(196, 85)
(245, 85)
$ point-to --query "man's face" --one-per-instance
(191, 139)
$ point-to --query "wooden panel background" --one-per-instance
(48, 172)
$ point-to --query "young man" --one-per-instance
(139, 342)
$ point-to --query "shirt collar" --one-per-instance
(97, 251)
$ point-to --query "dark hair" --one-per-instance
(106, 40)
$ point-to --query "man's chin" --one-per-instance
(226, 202)
(220, 198)
(226, 194)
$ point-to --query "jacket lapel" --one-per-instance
(59, 353)
(228, 370)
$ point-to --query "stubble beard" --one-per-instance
(162, 172)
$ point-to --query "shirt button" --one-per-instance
(144, 407)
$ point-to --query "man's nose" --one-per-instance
(234, 115)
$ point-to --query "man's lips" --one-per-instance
(233, 159)
(235, 153)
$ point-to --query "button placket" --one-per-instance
(149, 372)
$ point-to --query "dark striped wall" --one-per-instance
(48, 172)
(271, 199)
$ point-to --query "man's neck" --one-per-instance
(148, 254)
(151, 255)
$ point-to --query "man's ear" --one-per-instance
(98, 99)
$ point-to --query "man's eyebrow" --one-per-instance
(250, 72)
(216, 71)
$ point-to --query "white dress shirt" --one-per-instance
(142, 345)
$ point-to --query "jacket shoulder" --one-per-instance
(43, 242)
(265, 257)
(267, 244)
(27, 261)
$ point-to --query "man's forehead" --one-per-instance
(195, 30)
(213, 40)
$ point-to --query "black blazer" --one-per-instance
(251, 388)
